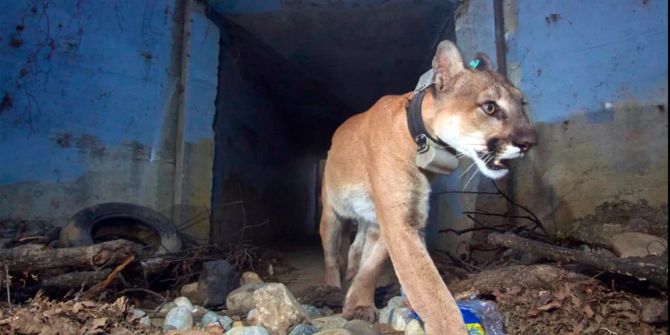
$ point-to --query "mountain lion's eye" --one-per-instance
(489, 107)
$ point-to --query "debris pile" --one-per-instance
(43, 316)
(116, 287)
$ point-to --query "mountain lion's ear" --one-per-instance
(446, 63)
(483, 62)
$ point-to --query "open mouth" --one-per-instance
(494, 163)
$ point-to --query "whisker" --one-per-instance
(468, 169)
(469, 180)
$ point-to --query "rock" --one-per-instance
(253, 330)
(190, 291)
(241, 300)
(329, 322)
(145, 321)
(414, 328)
(214, 329)
(385, 315)
(334, 332)
(253, 317)
(385, 329)
(199, 310)
(654, 311)
(400, 318)
(138, 313)
(214, 318)
(303, 329)
(238, 323)
(141, 317)
(360, 327)
(167, 307)
(178, 318)
(157, 321)
(183, 301)
(276, 309)
(216, 281)
(633, 244)
(250, 278)
(311, 311)
(398, 301)
(326, 311)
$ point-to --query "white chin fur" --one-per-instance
(454, 139)
(472, 153)
(493, 174)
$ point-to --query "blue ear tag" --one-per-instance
(474, 63)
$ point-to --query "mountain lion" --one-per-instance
(371, 180)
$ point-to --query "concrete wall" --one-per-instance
(92, 109)
(473, 32)
(262, 181)
(595, 75)
(596, 78)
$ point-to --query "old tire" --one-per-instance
(113, 220)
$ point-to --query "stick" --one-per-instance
(147, 291)
(635, 267)
(8, 283)
(534, 218)
(76, 279)
(98, 288)
(33, 257)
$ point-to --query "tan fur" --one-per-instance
(371, 179)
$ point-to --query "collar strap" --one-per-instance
(417, 129)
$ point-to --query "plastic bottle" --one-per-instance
(481, 316)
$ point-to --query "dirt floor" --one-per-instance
(540, 297)
(537, 299)
(307, 270)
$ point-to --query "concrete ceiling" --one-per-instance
(323, 60)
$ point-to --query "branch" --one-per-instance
(99, 287)
(75, 279)
(37, 257)
(635, 267)
(535, 219)
(481, 226)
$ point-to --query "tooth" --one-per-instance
(496, 162)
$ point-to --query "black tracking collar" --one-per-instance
(418, 129)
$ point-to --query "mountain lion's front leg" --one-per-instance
(359, 303)
(398, 215)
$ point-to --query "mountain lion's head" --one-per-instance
(479, 113)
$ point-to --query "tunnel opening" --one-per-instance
(288, 77)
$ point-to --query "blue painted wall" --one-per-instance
(575, 56)
(595, 74)
(72, 69)
(89, 97)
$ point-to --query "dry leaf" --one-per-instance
(628, 315)
(577, 330)
(562, 292)
(214, 329)
(588, 311)
(514, 290)
(98, 323)
(549, 306)
(88, 304)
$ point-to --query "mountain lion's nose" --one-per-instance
(525, 140)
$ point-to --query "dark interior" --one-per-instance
(287, 80)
